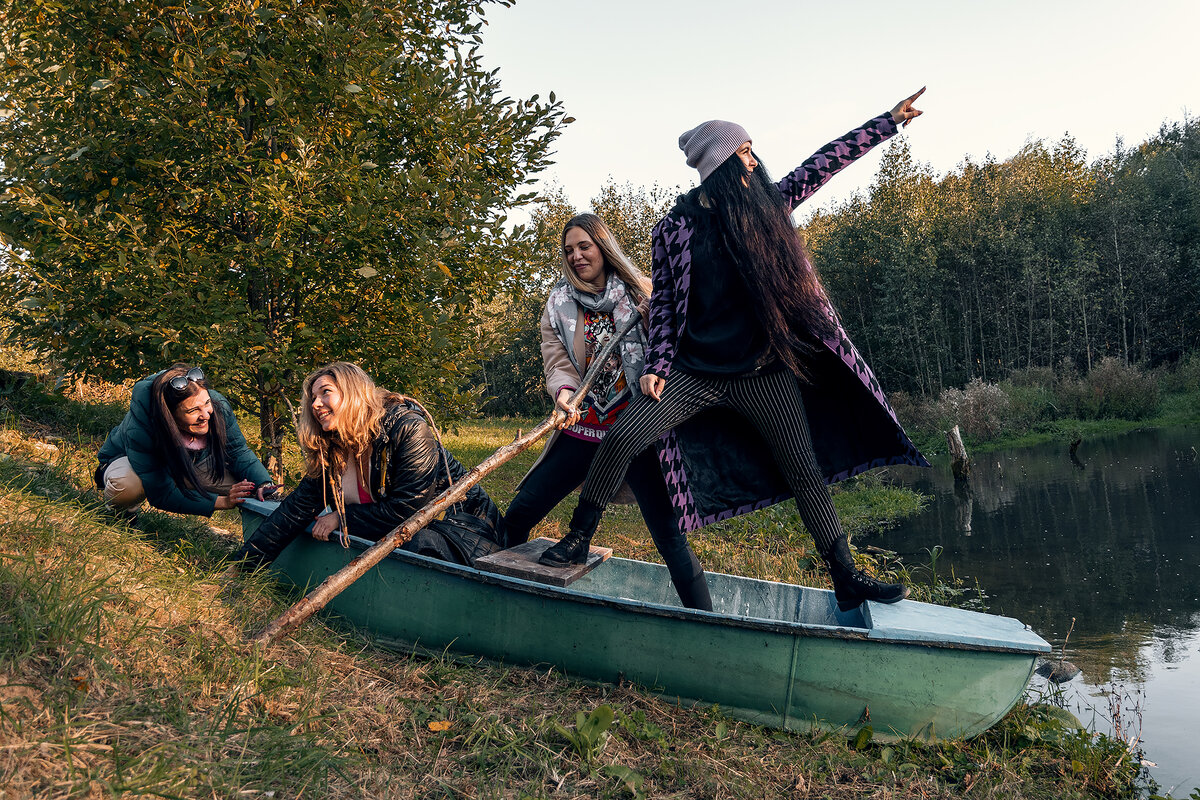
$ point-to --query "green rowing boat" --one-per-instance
(772, 653)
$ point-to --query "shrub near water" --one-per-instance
(1038, 395)
(981, 409)
(1116, 390)
(1183, 377)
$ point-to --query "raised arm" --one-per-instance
(841, 152)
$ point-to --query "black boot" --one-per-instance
(688, 578)
(573, 548)
(851, 586)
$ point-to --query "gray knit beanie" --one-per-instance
(708, 144)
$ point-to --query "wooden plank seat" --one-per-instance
(522, 562)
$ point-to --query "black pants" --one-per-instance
(564, 467)
(770, 402)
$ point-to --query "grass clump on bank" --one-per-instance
(1038, 404)
(123, 673)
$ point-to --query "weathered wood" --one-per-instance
(522, 562)
(335, 584)
(960, 462)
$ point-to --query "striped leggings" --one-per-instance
(770, 402)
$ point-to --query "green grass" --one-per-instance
(1176, 408)
(123, 672)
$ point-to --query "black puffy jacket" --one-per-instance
(406, 472)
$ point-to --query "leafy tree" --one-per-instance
(260, 186)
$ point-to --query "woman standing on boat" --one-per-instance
(599, 292)
(740, 322)
(371, 461)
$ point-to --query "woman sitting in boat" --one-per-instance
(371, 461)
(739, 322)
(599, 292)
(179, 447)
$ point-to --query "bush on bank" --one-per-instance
(1034, 397)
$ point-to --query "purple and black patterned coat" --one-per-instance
(715, 465)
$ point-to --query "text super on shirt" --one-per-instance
(610, 392)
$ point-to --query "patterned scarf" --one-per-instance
(564, 303)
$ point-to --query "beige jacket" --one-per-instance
(561, 372)
(557, 364)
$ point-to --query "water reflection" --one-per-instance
(1109, 536)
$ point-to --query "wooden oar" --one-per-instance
(336, 583)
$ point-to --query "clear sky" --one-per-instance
(637, 73)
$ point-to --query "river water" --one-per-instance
(1109, 538)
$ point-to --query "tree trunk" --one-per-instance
(1029, 331)
(1050, 316)
(1120, 287)
(982, 334)
(271, 429)
(1087, 342)
(960, 462)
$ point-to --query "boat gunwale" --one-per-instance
(793, 629)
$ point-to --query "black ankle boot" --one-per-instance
(851, 586)
(573, 548)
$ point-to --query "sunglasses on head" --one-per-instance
(180, 382)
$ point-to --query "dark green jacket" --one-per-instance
(134, 438)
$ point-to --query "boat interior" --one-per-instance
(732, 595)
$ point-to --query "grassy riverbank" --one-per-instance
(122, 672)
(1037, 406)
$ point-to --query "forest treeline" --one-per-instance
(1042, 261)
(260, 192)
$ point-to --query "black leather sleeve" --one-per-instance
(414, 468)
(288, 521)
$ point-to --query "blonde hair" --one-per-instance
(358, 419)
(614, 257)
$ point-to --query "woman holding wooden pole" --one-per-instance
(748, 367)
(372, 461)
(601, 289)
(336, 583)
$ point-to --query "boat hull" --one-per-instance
(775, 654)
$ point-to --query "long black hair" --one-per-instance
(756, 228)
(168, 441)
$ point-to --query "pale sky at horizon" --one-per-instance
(635, 74)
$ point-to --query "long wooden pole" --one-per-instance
(336, 583)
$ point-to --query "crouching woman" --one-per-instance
(180, 448)
(372, 461)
